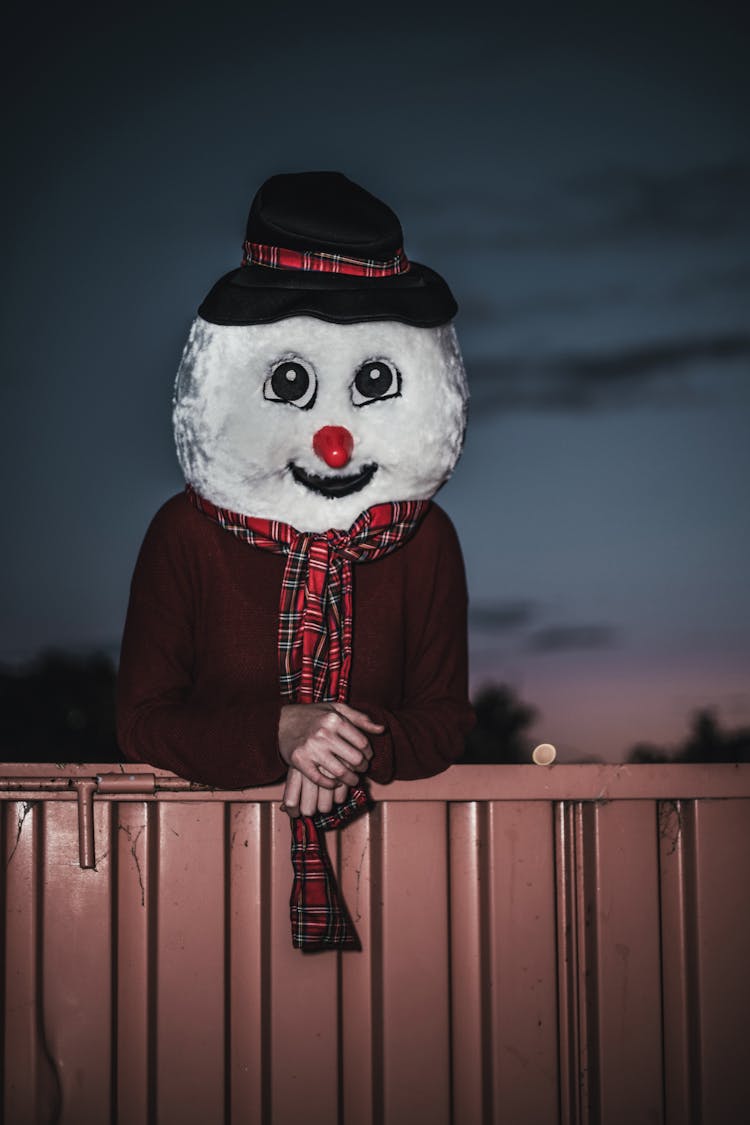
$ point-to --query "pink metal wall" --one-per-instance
(540, 944)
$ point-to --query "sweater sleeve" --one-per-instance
(426, 734)
(160, 719)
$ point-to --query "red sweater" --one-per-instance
(198, 688)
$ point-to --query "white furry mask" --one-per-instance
(251, 402)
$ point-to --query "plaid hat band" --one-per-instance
(281, 258)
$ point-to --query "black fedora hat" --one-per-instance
(319, 245)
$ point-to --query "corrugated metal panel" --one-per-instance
(539, 944)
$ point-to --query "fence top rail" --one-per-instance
(584, 782)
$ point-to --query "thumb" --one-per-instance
(292, 792)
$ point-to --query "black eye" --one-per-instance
(291, 381)
(377, 379)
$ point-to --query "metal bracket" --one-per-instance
(86, 787)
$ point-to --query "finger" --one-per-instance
(308, 804)
(340, 793)
(327, 769)
(325, 800)
(335, 725)
(336, 768)
(353, 757)
(292, 791)
(310, 770)
(352, 736)
(359, 718)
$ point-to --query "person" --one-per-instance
(300, 611)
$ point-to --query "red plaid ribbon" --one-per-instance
(315, 653)
(280, 258)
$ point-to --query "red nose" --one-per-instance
(334, 445)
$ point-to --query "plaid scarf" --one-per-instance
(315, 655)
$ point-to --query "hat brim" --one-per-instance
(256, 294)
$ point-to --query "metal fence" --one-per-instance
(564, 944)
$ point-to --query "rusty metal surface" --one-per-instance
(589, 782)
(540, 944)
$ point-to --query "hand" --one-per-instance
(326, 742)
(303, 797)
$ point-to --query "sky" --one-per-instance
(580, 177)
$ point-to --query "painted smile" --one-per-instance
(333, 487)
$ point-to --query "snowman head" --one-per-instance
(306, 393)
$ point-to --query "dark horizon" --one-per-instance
(60, 707)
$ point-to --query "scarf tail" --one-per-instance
(320, 919)
(315, 650)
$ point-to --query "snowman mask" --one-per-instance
(310, 422)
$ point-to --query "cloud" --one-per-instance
(653, 373)
(561, 638)
(615, 206)
(654, 359)
(480, 310)
(516, 616)
(702, 200)
(733, 278)
(502, 616)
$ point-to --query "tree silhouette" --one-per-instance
(59, 708)
(644, 753)
(706, 742)
(500, 732)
